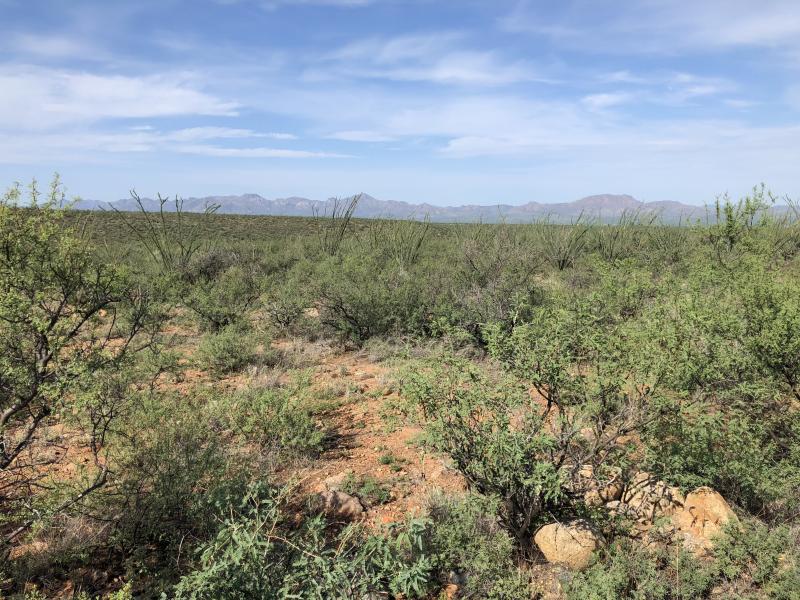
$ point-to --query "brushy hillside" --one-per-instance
(216, 407)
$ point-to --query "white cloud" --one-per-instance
(360, 136)
(38, 98)
(275, 4)
(339, 3)
(209, 133)
(605, 100)
(54, 46)
(207, 150)
(433, 57)
(76, 146)
(662, 26)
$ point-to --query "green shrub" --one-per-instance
(257, 553)
(465, 538)
(471, 420)
(622, 239)
(368, 489)
(288, 299)
(361, 296)
(630, 571)
(748, 561)
(226, 351)
(730, 422)
(68, 324)
(226, 298)
(562, 245)
(494, 280)
(274, 419)
(169, 461)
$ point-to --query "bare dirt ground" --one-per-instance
(369, 442)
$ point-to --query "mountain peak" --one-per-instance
(608, 202)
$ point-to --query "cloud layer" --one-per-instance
(662, 99)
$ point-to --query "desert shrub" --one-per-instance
(494, 280)
(334, 223)
(209, 265)
(759, 560)
(400, 242)
(739, 227)
(258, 553)
(562, 245)
(227, 350)
(274, 419)
(732, 452)
(772, 317)
(170, 238)
(623, 290)
(622, 239)
(366, 488)
(180, 461)
(471, 420)
(630, 571)
(527, 450)
(67, 323)
(466, 539)
(591, 390)
(730, 422)
(169, 463)
(226, 298)
(668, 244)
(748, 561)
(288, 297)
(361, 296)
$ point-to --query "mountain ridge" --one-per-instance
(604, 207)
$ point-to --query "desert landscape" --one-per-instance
(399, 299)
(319, 407)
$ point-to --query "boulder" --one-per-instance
(604, 489)
(571, 544)
(340, 505)
(650, 498)
(597, 488)
(702, 517)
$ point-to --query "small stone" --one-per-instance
(335, 482)
(340, 505)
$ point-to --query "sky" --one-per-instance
(441, 101)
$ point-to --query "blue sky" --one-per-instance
(444, 101)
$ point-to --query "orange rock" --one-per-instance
(571, 545)
(703, 516)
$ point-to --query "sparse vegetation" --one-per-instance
(173, 407)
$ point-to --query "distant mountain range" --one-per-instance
(604, 207)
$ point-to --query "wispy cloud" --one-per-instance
(54, 46)
(606, 100)
(438, 57)
(275, 4)
(662, 26)
(208, 150)
(39, 98)
(211, 133)
(76, 145)
(360, 136)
